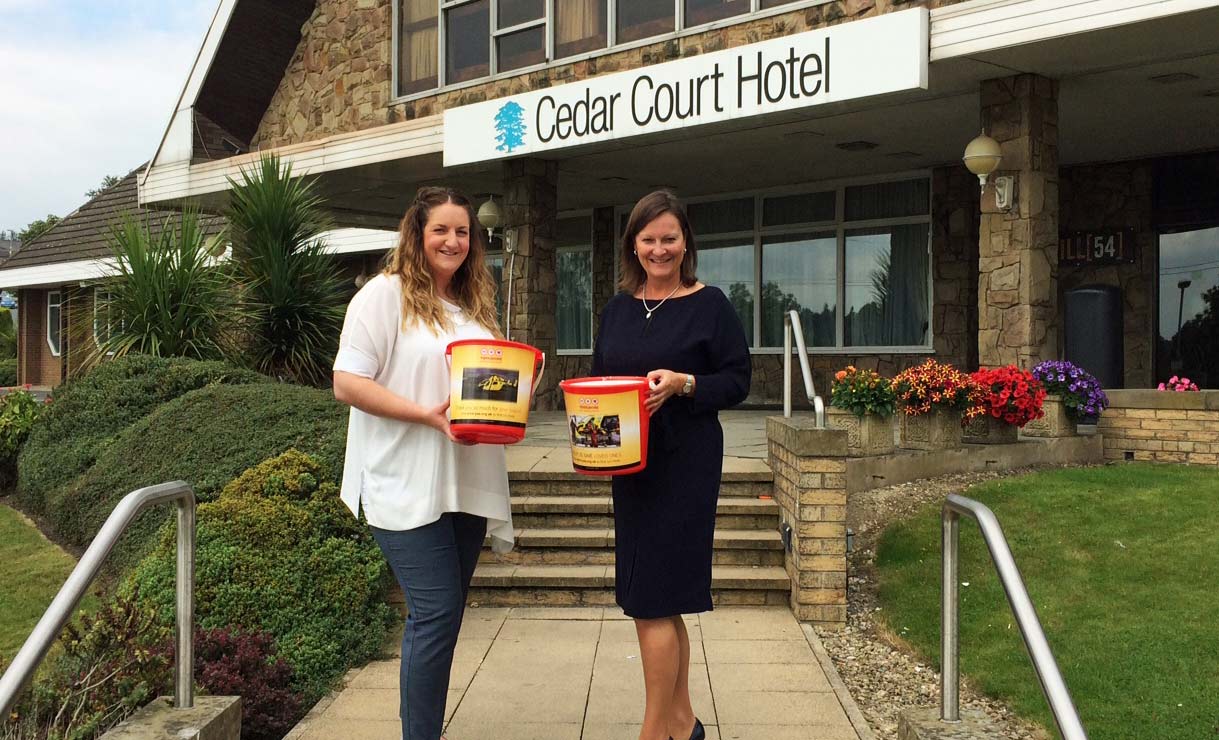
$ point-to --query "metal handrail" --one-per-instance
(790, 319)
(1052, 685)
(69, 596)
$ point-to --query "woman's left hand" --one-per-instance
(661, 385)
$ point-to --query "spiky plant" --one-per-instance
(169, 298)
(292, 289)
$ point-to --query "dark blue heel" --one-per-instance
(698, 733)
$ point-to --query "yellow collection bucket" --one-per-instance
(607, 424)
(491, 385)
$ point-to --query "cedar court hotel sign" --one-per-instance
(878, 55)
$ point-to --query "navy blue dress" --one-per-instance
(664, 515)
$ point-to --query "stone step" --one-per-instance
(593, 585)
(749, 485)
(594, 546)
(554, 512)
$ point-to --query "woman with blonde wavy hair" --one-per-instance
(428, 498)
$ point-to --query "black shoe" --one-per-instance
(698, 733)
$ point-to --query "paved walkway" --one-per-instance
(574, 674)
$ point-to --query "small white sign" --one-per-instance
(873, 56)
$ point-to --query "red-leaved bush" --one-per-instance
(229, 663)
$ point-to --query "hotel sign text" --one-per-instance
(878, 55)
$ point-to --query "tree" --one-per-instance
(510, 127)
(293, 294)
(37, 228)
(108, 181)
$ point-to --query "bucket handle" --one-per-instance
(538, 379)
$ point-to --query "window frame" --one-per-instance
(839, 227)
(56, 348)
(612, 46)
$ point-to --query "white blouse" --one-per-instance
(403, 474)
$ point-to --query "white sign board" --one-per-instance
(878, 55)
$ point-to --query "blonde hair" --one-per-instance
(472, 286)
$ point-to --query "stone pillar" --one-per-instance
(809, 467)
(1018, 250)
(530, 215)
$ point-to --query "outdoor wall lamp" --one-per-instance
(982, 157)
(491, 217)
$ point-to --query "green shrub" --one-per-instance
(277, 552)
(8, 341)
(207, 438)
(18, 412)
(8, 372)
(90, 412)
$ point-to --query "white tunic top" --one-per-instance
(403, 474)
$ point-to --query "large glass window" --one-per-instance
(417, 50)
(54, 320)
(1189, 307)
(467, 52)
(639, 19)
(800, 272)
(574, 270)
(886, 287)
(520, 39)
(102, 322)
(699, 12)
(495, 263)
(579, 27)
(728, 265)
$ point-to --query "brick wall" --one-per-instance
(1161, 426)
(37, 365)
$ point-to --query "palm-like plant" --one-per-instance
(169, 297)
(293, 291)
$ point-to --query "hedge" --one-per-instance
(90, 413)
(8, 372)
(206, 437)
(278, 552)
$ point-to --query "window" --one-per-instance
(54, 318)
(102, 326)
(1189, 306)
(579, 27)
(699, 12)
(495, 263)
(450, 42)
(575, 283)
(417, 34)
(853, 261)
(639, 19)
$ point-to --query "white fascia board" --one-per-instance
(57, 273)
(979, 26)
(177, 144)
(396, 141)
(355, 241)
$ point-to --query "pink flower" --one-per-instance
(1161, 387)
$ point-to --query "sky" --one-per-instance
(86, 90)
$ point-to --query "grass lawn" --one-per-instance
(1122, 563)
(31, 572)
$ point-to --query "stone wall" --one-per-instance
(1111, 197)
(1161, 426)
(339, 79)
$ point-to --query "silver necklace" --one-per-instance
(644, 297)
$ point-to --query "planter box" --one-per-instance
(1055, 423)
(939, 430)
(870, 435)
(987, 430)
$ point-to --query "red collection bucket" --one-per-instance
(607, 424)
(491, 384)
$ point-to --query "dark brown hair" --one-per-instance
(472, 287)
(649, 208)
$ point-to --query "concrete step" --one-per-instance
(749, 485)
(594, 546)
(593, 585)
(588, 512)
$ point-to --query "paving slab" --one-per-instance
(531, 673)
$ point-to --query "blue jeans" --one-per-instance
(434, 564)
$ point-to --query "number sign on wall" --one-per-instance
(1097, 248)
